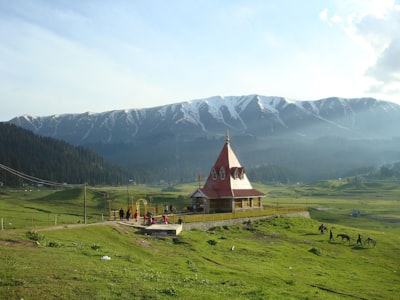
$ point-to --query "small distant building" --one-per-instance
(355, 213)
(227, 188)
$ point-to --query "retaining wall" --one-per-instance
(208, 225)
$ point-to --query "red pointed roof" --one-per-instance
(227, 178)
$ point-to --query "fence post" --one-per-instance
(2, 224)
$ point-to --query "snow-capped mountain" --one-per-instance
(317, 139)
(250, 115)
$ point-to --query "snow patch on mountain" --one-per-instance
(31, 120)
(251, 114)
(87, 133)
(269, 104)
(190, 114)
(314, 107)
(131, 116)
(215, 107)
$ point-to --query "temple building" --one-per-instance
(227, 188)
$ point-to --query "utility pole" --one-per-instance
(84, 204)
(127, 192)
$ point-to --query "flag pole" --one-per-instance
(198, 179)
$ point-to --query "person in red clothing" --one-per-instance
(135, 215)
(165, 219)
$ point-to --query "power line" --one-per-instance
(36, 179)
(48, 182)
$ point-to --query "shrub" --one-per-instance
(53, 244)
(95, 247)
(315, 251)
(170, 291)
(212, 242)
(34, 236)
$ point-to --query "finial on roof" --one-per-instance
(227, 136)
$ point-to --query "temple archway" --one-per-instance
(144, 201)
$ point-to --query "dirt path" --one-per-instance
(186, 226)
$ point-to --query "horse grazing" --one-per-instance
(370, 241)
(344, 236)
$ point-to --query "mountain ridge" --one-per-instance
(203, 116)
(318, 139)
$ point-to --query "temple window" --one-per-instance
(236, 173)
(213, 174)
(222, 173)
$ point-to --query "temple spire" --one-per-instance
(227, 136)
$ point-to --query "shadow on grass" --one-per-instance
(38, 209)
(358, 247)
(335, 242)
(339, 242)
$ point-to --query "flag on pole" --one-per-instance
(198, 179)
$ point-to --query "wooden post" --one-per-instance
(84, 205)
(109, 209)
(127, 192)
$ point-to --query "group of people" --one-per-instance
(127, 215)
(322, 229)
(148, 218)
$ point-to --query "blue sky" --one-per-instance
(72, 56)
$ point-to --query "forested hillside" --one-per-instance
(52, 160)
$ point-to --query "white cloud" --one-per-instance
(387, 67)
(336, 19)
(374, 25)
(386, 71)
(383, 33)
(323, 15)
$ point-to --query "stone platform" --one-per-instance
(164, 229)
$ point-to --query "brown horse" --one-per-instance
(344, 236)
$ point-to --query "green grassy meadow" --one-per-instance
(274, 258)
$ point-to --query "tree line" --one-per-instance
(53, 160)
(169, 161)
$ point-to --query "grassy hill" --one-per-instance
(276, 258)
